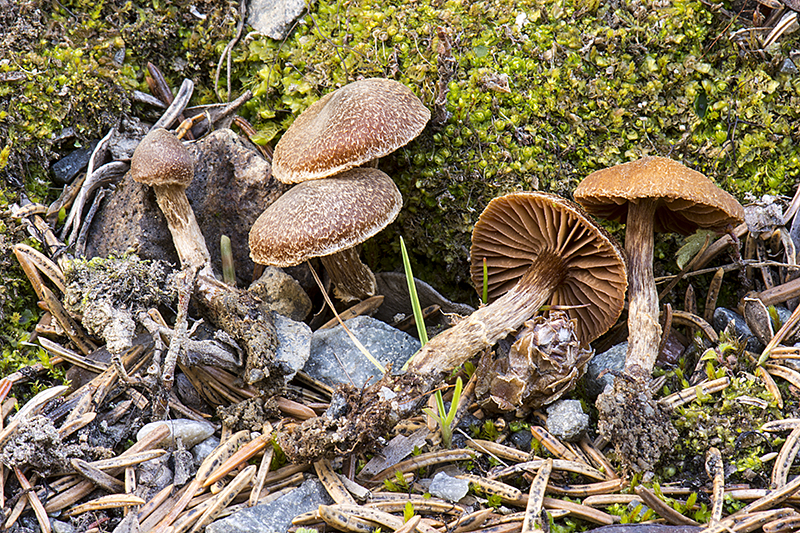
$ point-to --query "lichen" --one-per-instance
(534, 94)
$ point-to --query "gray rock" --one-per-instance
(612, 359)
(190, 432)
(281, 293)
(566, 420)
(448, 488)
(66, 168)
(335, 358)
(724, 316)
(62, 527)
(294, 343)
(275, 516)
(228, 192)
(204, 449)
(274, 18)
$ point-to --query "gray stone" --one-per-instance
(335, 358)
(448, 488)
(294, 343)
(275, 516)
(229, 191)
(66, 168)
(612, 359)
(566, 420)
(274, 18)
(63, 527)
(281, 293)
(204, 449)
(723, 317)
(190, 432)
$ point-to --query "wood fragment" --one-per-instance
(98, 477)
(536, 493)
(506, 492)
(716, 471)
(224, 498)
(770, 385)
(471, 521)
(422, 461)
(112, 501)
(659, 506)
(786, 456)
(581, 511)
(33, 499)
(552, 444)
(330, 480)
(242, 454)
(688, 395)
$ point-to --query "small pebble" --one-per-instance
(190, 432)
(448, 488)
(566, 420)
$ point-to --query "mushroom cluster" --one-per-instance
(328, 218)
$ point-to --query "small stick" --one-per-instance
(716, 471)
(533, 510)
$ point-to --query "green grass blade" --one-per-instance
(412, 291)
(485, 295)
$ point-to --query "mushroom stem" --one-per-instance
(186, 235)
(491, 323)
(644, 331)
(352, 279)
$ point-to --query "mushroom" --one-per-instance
(163, 162)
(539, 249)
(653, 194)
(327, 219)
(349, 127)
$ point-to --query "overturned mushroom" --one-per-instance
(539, 249)
(327, 219)
(349, 127)
(560, 253)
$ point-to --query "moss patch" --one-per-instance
(535, 94)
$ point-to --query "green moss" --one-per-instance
(535, 94)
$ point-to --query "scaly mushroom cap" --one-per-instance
(351, 126)
(514, 229)
(322, 217)
(161, 159)
(688, 200)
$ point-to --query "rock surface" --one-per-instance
(281, 293)
(274, 18)
(275, 516)
(294, 343)
(566, 420)
(612, 359)
(229, 191)
(335, 358)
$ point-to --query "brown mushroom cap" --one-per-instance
(687, 199)
(351, 126)
(161, 159)
(514, 229)
(322, 217)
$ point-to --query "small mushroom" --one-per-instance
(539, 249)
(327, 219)
(653, 194)
(162, 162)
(349, 127)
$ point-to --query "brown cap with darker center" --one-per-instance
(161, 159)
(688, 200)
(351, 126)
(514, 229)
(321, 217)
